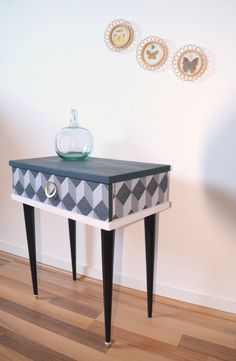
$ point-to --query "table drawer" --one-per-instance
(105, 202)
(87, 198)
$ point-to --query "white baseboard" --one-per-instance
(217, 303)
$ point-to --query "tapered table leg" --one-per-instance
(108, 240)
(149, 223)
(30, 233)
(72, 234)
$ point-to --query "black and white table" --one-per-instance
(104, 193)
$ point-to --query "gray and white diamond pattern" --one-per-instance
(90, 198)
(137, 194)
(79, 196)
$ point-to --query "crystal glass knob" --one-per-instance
(74, 142)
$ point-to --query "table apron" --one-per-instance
(117, 223)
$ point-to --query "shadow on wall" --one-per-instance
(219, 171)
(11, 226)
(7, 149)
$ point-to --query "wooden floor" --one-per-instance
(66, 322)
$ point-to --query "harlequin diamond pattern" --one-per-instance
(138, 194)
(164, 183)
(69, 202)
(152, 186)
(19, 189)
(84, 206)
(101, 210)
(123, 193)
(92, 199)
(87, 198)
(29, 191)
(138, 190)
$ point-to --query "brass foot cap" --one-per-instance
(108, 345)
(36, 297)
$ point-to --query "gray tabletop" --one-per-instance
(91, 169)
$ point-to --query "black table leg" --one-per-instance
(150, 252)
(30, 233)
(108, 238)
(72, 234)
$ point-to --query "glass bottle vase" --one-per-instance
(74, 142)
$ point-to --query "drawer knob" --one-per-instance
(50, 189)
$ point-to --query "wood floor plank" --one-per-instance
(52, 324)
(198, 331)
(86, 296)
(68, 319)
(166, 329)
(65, 280)
(54, 341)
(140, 323)
(6, 354)
(49, 290)
(230, 328)
(208, 348)
(22, 287)
(43, 306)
(196, 318)
(86, 281)
(124, 352)
(28, 348)
(148, 344)
(196, 308)
(168, 311)
(81, 308)
(3, 261)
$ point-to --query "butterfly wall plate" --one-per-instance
(119, 35)
(152, 53)
(189, 62)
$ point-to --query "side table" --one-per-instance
(103, 193)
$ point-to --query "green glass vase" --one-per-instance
(74, 142)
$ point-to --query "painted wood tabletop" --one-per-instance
(98, 170)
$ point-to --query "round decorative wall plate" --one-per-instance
(152, 53)
(119, 35)
(189, 62)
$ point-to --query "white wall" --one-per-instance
(53, 57)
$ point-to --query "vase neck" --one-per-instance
(73, 118)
